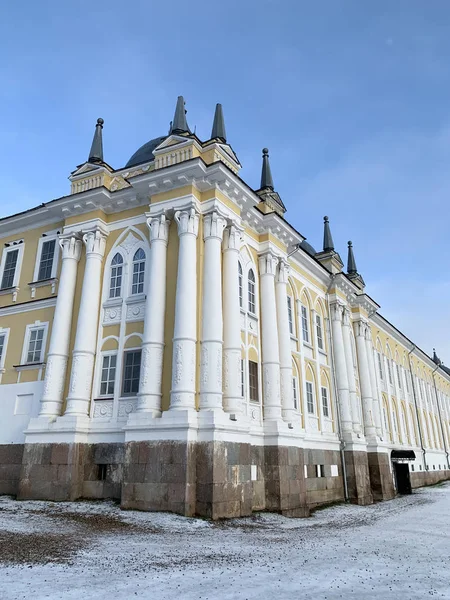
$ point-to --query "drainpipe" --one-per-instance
(338, 412)
(440, 416)
(417, 410)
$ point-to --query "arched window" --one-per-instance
(115, 282)
(241, 289)
(137, 286)
(251, 292)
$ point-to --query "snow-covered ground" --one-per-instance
(397, 549)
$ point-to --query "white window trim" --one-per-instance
(129, 283)
(99, 378)
(247, 281)
(291, 304)
(306, 342)
(47, 237)
(313, 398)
(122, 372)
(4, 331)
(5, 252)
(324, 387)
(26, 342)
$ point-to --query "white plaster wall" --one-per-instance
(18, 403)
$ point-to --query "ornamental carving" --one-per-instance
(268, 264)
(112, 315)
(226, 370)
(103, 409)
(346, 313)
(267, 383)
(213, 225)
(204, 365)
(95, 242)
(336, 311)
(54, 377)
(129, 243)
(145, 366)
(178, 372)
(283, 271)
(127, 407)
(136, 312)
(70, 245)
(219, 367)
(232, 238)
(187, 221)
(159, 228)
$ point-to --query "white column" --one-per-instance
(373, 382)
(232, 398)
(149, 396)
(269, 342)
(85, 341)
(341, 367)
(346, 334)
(284, 342)
(212, 320)
(58, 354)
(364, 379)
(182, 395)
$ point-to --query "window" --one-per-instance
(108, 375)
(251, 292)
(305, 328)
(389, 370)
(319, 332)
(253, 380)
(115, 283)
(290, 315)
(35, 345)
(9, 270)
(295, 392)
(399, 380)
(46, 261)
(326, 412)
(407, 376)
(138, 272)
(242, 379)
(241, 289)
(309, 397)
(380, 366)
(131, 373)
(2, 347)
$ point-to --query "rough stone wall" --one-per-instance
(108, 458)
(358, 479)
(10, 467)
(380, 476)
(326, 489)
(258, 484)
(422, 478)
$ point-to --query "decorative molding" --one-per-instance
(129, 243)
(232, 237)
(126, 407)
(159, 228)
(213, 225)
(135, 311)
(267, 264)
(103, 409)
(112, 314)
(187, 221)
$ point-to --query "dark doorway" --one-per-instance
(402, 478)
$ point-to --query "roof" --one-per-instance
(145, 152)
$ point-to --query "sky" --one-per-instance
(352, 99)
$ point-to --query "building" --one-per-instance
(168, 338)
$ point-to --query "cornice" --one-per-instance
(15, 309)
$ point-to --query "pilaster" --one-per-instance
(341, 368)
(364, 379)
(346, 333)
(373, 382)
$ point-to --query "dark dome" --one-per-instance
(307, 248)
(145, 152)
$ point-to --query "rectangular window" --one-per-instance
(295, 392)
(242, 379)
(380, 366)
(251, 294)
(253, 380)
(309, 398)
(241, 289)
(138, 277)
(389, 370)
(10, 269)
(290, 316)
(2, 346)
(131, 373)
(35, 349)
(399, 379)
(108, 375)
(326, 412)
(46, 262)
(319, 332)
(408, 381)
(305, 328)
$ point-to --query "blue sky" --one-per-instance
(352, 98)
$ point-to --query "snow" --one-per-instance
(397, 549)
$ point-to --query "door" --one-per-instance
(402, 478)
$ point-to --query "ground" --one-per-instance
(397, 549)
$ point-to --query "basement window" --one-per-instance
(101, 474)
(412, 467)
(320, 470)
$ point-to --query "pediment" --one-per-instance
(86, 169)
(172, 140)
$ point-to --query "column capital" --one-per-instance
(336, 310)
(283, 271)
(232, 237)
(70, 244)
(267, 264)
(213, 225)
(346, 314)
(360, 328)
(159, 228)
(368, 333)
(95, 241)
(187, 221)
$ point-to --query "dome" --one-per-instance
(145, 152)
(307, 248)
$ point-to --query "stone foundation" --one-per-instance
(358, 479)
(423, 478)
(10, 468)
(380, 476)
(323, 488)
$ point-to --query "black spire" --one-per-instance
(218, 128)
(436, 359)
(96, 153)
(266, 174)
(351, 263)
(328, 244)
(179, 124)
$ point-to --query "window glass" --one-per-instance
(319, 332)
(251, 292)
(34, 354)
(115, 284)
(10, 269)
(253, 381)
(325, 408)
(305, 328)
(295, 392)
(389, 370)
(290, 315)
(2, 345)
(138, 272)
(46, 262)
(399, 379)
(108, 375)
(380, 365)
(242, 379)
(310, 397)
(241, 289)
(131, 373)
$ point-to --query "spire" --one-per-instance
(436, 359)
(179, 124)
(328, 244)
(96, 153)
(218, 128)
(266, 174)
(351, 263)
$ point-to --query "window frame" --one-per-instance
(295, 394)
(309, 386)
(26, 343)
(255, 376)
(380, 366)
(325, 404)
(126, 351)
(132, 263)
(305, 320)
(319, 327)
(4, 332)
(251, 294)
(108, 354)
(241, 285)
(47, 237)
(290, 312)
(13, 246)
(122, 274)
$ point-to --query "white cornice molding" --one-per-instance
(27, 306)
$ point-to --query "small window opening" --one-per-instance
(101, 475)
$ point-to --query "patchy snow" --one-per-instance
(392, 550)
